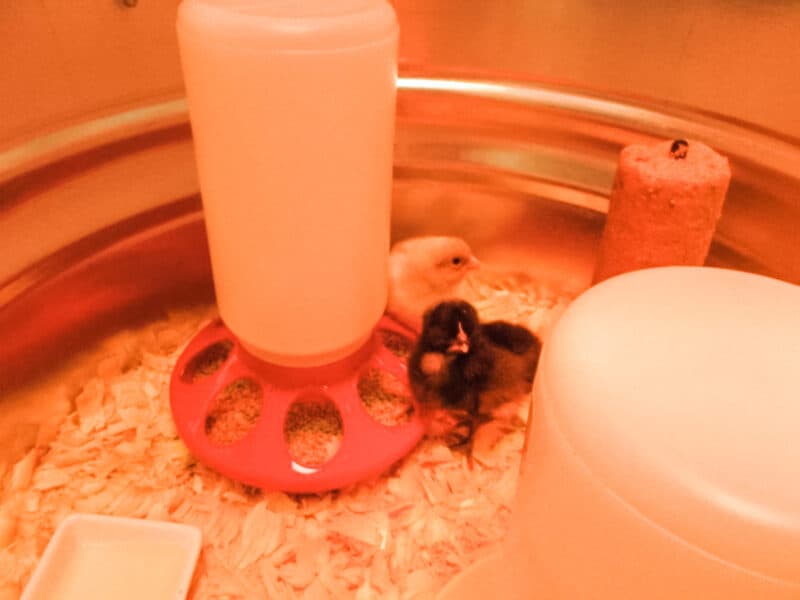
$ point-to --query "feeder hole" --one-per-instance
(397, 344)
(234, 411)
(386, 398)
(313, 430)
(208, 361)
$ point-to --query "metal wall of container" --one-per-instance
(64, 62)
(95, 147)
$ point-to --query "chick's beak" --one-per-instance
(473, 263)
(461, 344)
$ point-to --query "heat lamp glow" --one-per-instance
(659, 459)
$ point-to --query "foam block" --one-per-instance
(663, 208)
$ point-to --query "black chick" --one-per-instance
(463, 364)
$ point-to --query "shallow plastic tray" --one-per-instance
(94, 556)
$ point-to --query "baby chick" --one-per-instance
(424, 271)
(463, 364)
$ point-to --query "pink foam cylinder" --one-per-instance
(663, 208)
(292, 109)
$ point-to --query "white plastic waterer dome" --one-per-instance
(292, 109)
(661, 454)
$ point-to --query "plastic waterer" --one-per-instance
(661, 460)
(292, 107)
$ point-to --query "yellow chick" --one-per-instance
(424, 271)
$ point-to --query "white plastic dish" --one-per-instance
(99, 557)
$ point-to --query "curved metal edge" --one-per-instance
(52, 147)
(755, 144)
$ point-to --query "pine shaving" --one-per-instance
(398, 537)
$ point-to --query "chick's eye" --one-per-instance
(457, 260)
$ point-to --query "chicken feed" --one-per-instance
(112, 448)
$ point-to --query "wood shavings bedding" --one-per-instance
(400, 536)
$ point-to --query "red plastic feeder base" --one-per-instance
(214, 360)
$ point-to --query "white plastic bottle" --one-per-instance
(292, 107)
